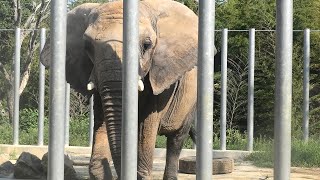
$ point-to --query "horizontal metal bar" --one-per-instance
(217, 30)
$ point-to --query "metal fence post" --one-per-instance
(67, 116)
(224, 72)
(91, 121)
(42, 75)
(57, 89)
(205, 89)
(251, 89)
(306, 73)
(16, 86)
(283, 90)
(129, 138)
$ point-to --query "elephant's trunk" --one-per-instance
(111, 96)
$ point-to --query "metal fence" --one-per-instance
(223, 113)
(59, 96)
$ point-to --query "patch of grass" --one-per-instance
(235, 140)
(302, 154)
(263, 153)
(13, 155)
(306, 154)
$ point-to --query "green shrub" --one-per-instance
(79, 131)
(6, 133)
(28, 119)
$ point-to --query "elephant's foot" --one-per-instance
(170, 178)
(144, 175)
(99, 169)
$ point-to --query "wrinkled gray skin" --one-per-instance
(168, 58)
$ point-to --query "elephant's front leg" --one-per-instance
(147, 139)
(99, 167)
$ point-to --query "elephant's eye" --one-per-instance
(147, 44)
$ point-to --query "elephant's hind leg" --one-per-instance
(99, 168)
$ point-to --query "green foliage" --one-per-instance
(79, 131)
(191, 4)
(262, 15)
(6, 133)
(28, 119)
(28, 134)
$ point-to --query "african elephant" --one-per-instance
(168, 34)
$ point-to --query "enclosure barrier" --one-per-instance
(224, 72)
(16, 86)
(129, 134)
(205, 89)
(251, 54)
(283, 90)
(250, 120)
(282, 110)
(67, 115)
(306, 74)
(57, 90)
(41, 90)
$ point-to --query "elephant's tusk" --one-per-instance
(90, 86)
(140, 84)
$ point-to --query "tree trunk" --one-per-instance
(10, 103)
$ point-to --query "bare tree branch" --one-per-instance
(6, 74)
(17, 12)
(32, 42)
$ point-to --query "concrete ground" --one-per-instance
(242, 171)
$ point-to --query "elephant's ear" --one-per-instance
(176, 49)
(78, 64)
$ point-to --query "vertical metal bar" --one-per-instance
(41, 90)
(306, 74)
(129, 138)
(251, 89)
(194, 145)
(224, 72)
(57, 89)
(16, 86)
(283, 90)
(205, 89)
(67, 116)
(91, 121)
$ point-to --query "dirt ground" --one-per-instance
(242, 171)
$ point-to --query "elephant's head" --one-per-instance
(168, 41)
(168, 34)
